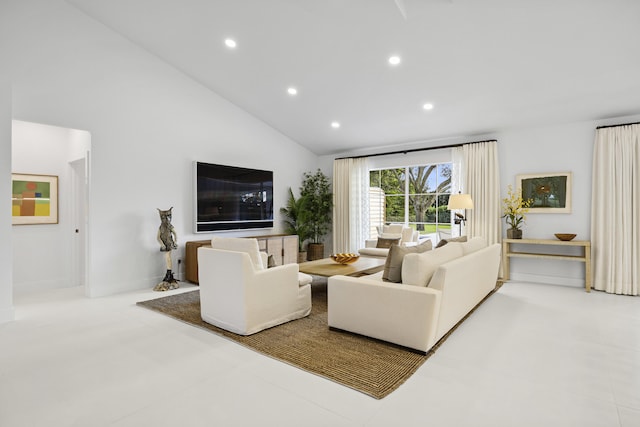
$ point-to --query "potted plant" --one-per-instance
(514, 208)
(316, 190)
(294, 217)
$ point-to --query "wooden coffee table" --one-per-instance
(327, 267)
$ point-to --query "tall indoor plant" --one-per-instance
(514, 208)
(294, 217)
(316, 190)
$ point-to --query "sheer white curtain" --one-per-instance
(476, 172)
(350, 204)
(615, 210)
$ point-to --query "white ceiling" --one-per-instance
(486, 65)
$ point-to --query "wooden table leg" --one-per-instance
(505, 261)
(587, 268)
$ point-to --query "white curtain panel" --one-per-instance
(340, 205)
(478, 174)
(350, 204)
(457, 170)
(458, 176)
(615, 210)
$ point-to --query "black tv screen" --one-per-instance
(231, 198)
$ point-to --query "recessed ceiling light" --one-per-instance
(292, 91)
(394, 60)
(428, 106)
(335, 125)
(231, 43)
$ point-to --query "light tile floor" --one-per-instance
(532, 355)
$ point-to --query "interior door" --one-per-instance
(79, 200)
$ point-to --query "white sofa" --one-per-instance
(408, 237)
(240, 294)
(438, 289)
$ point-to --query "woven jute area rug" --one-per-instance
(370, 366)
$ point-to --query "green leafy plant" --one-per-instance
(294, 218)
(316, 190)
(514, 208)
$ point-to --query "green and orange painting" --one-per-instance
(31, 198)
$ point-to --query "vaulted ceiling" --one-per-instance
(483, 65)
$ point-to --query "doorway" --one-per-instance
(61, 249)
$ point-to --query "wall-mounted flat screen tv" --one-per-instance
(232, 198)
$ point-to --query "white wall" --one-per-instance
(148, 123)
(6, 288)
(41, 253)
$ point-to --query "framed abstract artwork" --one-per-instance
(34, 199)
(549, 192)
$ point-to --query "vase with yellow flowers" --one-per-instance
(514, 208)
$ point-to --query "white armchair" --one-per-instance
(239, 294)
(408, 237)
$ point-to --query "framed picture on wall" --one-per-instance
(34, 199)
(549, 192)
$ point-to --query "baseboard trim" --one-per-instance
(98, 291)
(42, 285)
(7, 314)
(548, 280)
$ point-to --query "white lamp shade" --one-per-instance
(460, 201)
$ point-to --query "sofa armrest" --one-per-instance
(374, 252)
(464, 282)
(404, 315)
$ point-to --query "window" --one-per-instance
(414, 195)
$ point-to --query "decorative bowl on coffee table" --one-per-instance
(565, 237)
(345, 258)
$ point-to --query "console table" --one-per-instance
(283, 247)
(508, 252)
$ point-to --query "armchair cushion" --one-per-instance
(393, 264)
(391, 229)
(409, 235)
(239, 244)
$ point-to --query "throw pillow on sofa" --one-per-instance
(470, 246)
(443, 242)
(271, 262)
(417, 269)
(393, 263)
(387, 243)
